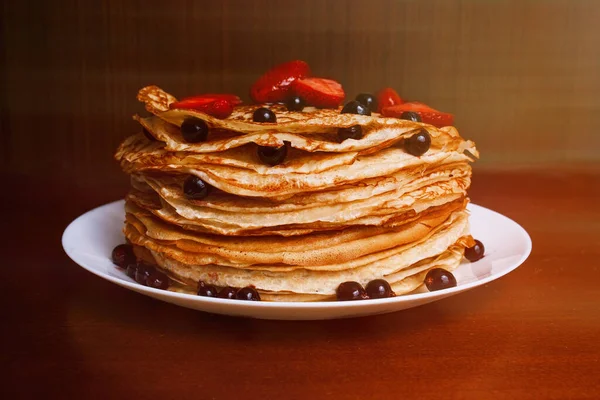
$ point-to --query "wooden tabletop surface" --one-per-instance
(533, 334)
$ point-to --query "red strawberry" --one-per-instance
(386, 98)
(217, 107)
(203, 99)
(319, 92)
(275, 85)
(232, 98)
(192, 103)
(428, 115)
(418, 106)
(220, 108)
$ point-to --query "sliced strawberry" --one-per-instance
(428, 115)
(275, 85)
(218, 108)
(201, 100)
(232, 98)
(387, 97)
(192, 103)
(319, 92)
(418, 106)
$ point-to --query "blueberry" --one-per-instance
(418, 144)
(476, 252)
(227, 293)
(158, 280)
(206, 290)
(142, 273)
(438, 279)
(123, 255)
(379, 289)
(247, 293)
(411, 116)
(354, 132)
(350, 291)
(195, 188)
(367, 100)
(295, 103)
(355, 107)
(194, 130)
(272, 155)
(263, 114)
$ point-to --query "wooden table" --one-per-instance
(534, 334)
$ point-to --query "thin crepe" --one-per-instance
(304, 280)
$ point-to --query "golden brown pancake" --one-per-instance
(355, 210)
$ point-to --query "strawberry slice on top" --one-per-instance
(232, 98)
(275, 85)
(428, 115)
(320, 92)
(203, 99)
(217, 105)
(387, 97)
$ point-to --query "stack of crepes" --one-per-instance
(332, 212)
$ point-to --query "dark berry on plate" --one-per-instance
(295, 103)
(206, 290)
(367, 100)
(379, 289)
(272, 155)
(123, 255)
(351, 291)
(263, 114)
(227, 293)
(148, 134)
(142, 273)
(158, 280)
(411, 116)
(247, 293)
(438, 279)
(195, 188)
(354, 132)
(418, 144)
(355, 107)
(476, 252)
(194, 130)
(131, 270)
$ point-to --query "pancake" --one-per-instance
(309, 121)
(333, 211)
(310, 280)
(413, 279)
(375, 136)
(225, 214)
(136, 156)
(304, 250)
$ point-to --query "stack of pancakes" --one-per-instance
(331, 212)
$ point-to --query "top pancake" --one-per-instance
(310, 130)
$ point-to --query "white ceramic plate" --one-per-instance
(89, 241)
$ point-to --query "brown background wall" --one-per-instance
(522, 77)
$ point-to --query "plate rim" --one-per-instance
(298, 304)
